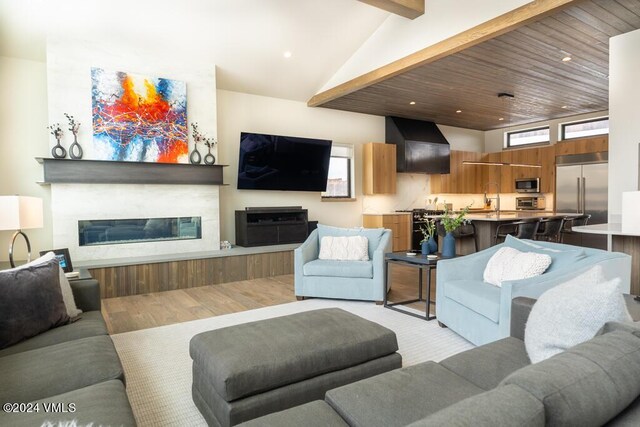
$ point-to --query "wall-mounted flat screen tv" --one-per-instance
(274, 162)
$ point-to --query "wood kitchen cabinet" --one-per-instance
(378, 168)
(582, 145)
(463, 178)
(399, 224)
(547, 173)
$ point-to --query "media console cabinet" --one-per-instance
(271, 226)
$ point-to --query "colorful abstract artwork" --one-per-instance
(138, 118)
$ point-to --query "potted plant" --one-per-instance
(451, 222)
(429, 245)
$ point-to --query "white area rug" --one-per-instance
(158, 367)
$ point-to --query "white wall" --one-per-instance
(241, 112)
(624, 123)
(23, 136)
(494, 139)
(69, 63)
(398, 37)
(238, 112)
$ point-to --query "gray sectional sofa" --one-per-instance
(594, 383)
(75, 367)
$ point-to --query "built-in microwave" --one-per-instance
(528, 185)
(530, 203)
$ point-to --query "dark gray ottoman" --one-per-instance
(246, 371)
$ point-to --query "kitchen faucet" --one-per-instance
(497, 198)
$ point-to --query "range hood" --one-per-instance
(420, 146)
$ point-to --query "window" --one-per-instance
(340, 179)
(585, 128)
(527, 137)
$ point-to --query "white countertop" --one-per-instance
(611, 229)
(506, 216)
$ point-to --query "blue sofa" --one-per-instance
(481, 312)
(353, 280)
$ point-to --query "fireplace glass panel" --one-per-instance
(115, 231)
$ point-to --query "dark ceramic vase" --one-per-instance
(195, 158)
(449, 245)
(75, 150)
(432, 245)
(209, 159)
(58, 151)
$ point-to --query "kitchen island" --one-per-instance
(618, 240)
(486, 224)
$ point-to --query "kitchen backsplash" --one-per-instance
(413, 192)
(507, 200)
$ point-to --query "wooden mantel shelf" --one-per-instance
(115, 172)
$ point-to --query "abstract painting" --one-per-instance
(138, 118)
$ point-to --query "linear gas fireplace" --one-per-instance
(116, 231)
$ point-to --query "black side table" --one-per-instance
(421, 262)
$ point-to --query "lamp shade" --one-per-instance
(20, 212)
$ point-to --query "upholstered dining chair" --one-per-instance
(523, 229)
(550, 228)
(573, 221)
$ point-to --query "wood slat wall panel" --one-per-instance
(630, 245)
(165, 276)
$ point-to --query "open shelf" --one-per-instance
(115, 172)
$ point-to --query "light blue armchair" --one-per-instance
(481, 312)
(353, 280)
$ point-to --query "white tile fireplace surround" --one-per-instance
(71, 203)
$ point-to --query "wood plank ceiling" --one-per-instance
(526, 62)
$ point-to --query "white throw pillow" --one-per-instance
(572, 313)
(65, 287)
(511, 264)
(344, 248)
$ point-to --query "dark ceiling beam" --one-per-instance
(407, 8)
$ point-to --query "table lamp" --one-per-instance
(18, 213)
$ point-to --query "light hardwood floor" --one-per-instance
(131, 313)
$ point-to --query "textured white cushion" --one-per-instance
(344, 248)
(572, 313)
(511, 264)
(65, 287)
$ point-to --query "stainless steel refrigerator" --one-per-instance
(581, 187)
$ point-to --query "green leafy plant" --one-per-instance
(451, 221)
(428, 229)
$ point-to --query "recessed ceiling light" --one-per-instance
(501, 118)
(287, 54)
(564, 106)
(412, 103)
(458, 111)
(566, 59)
